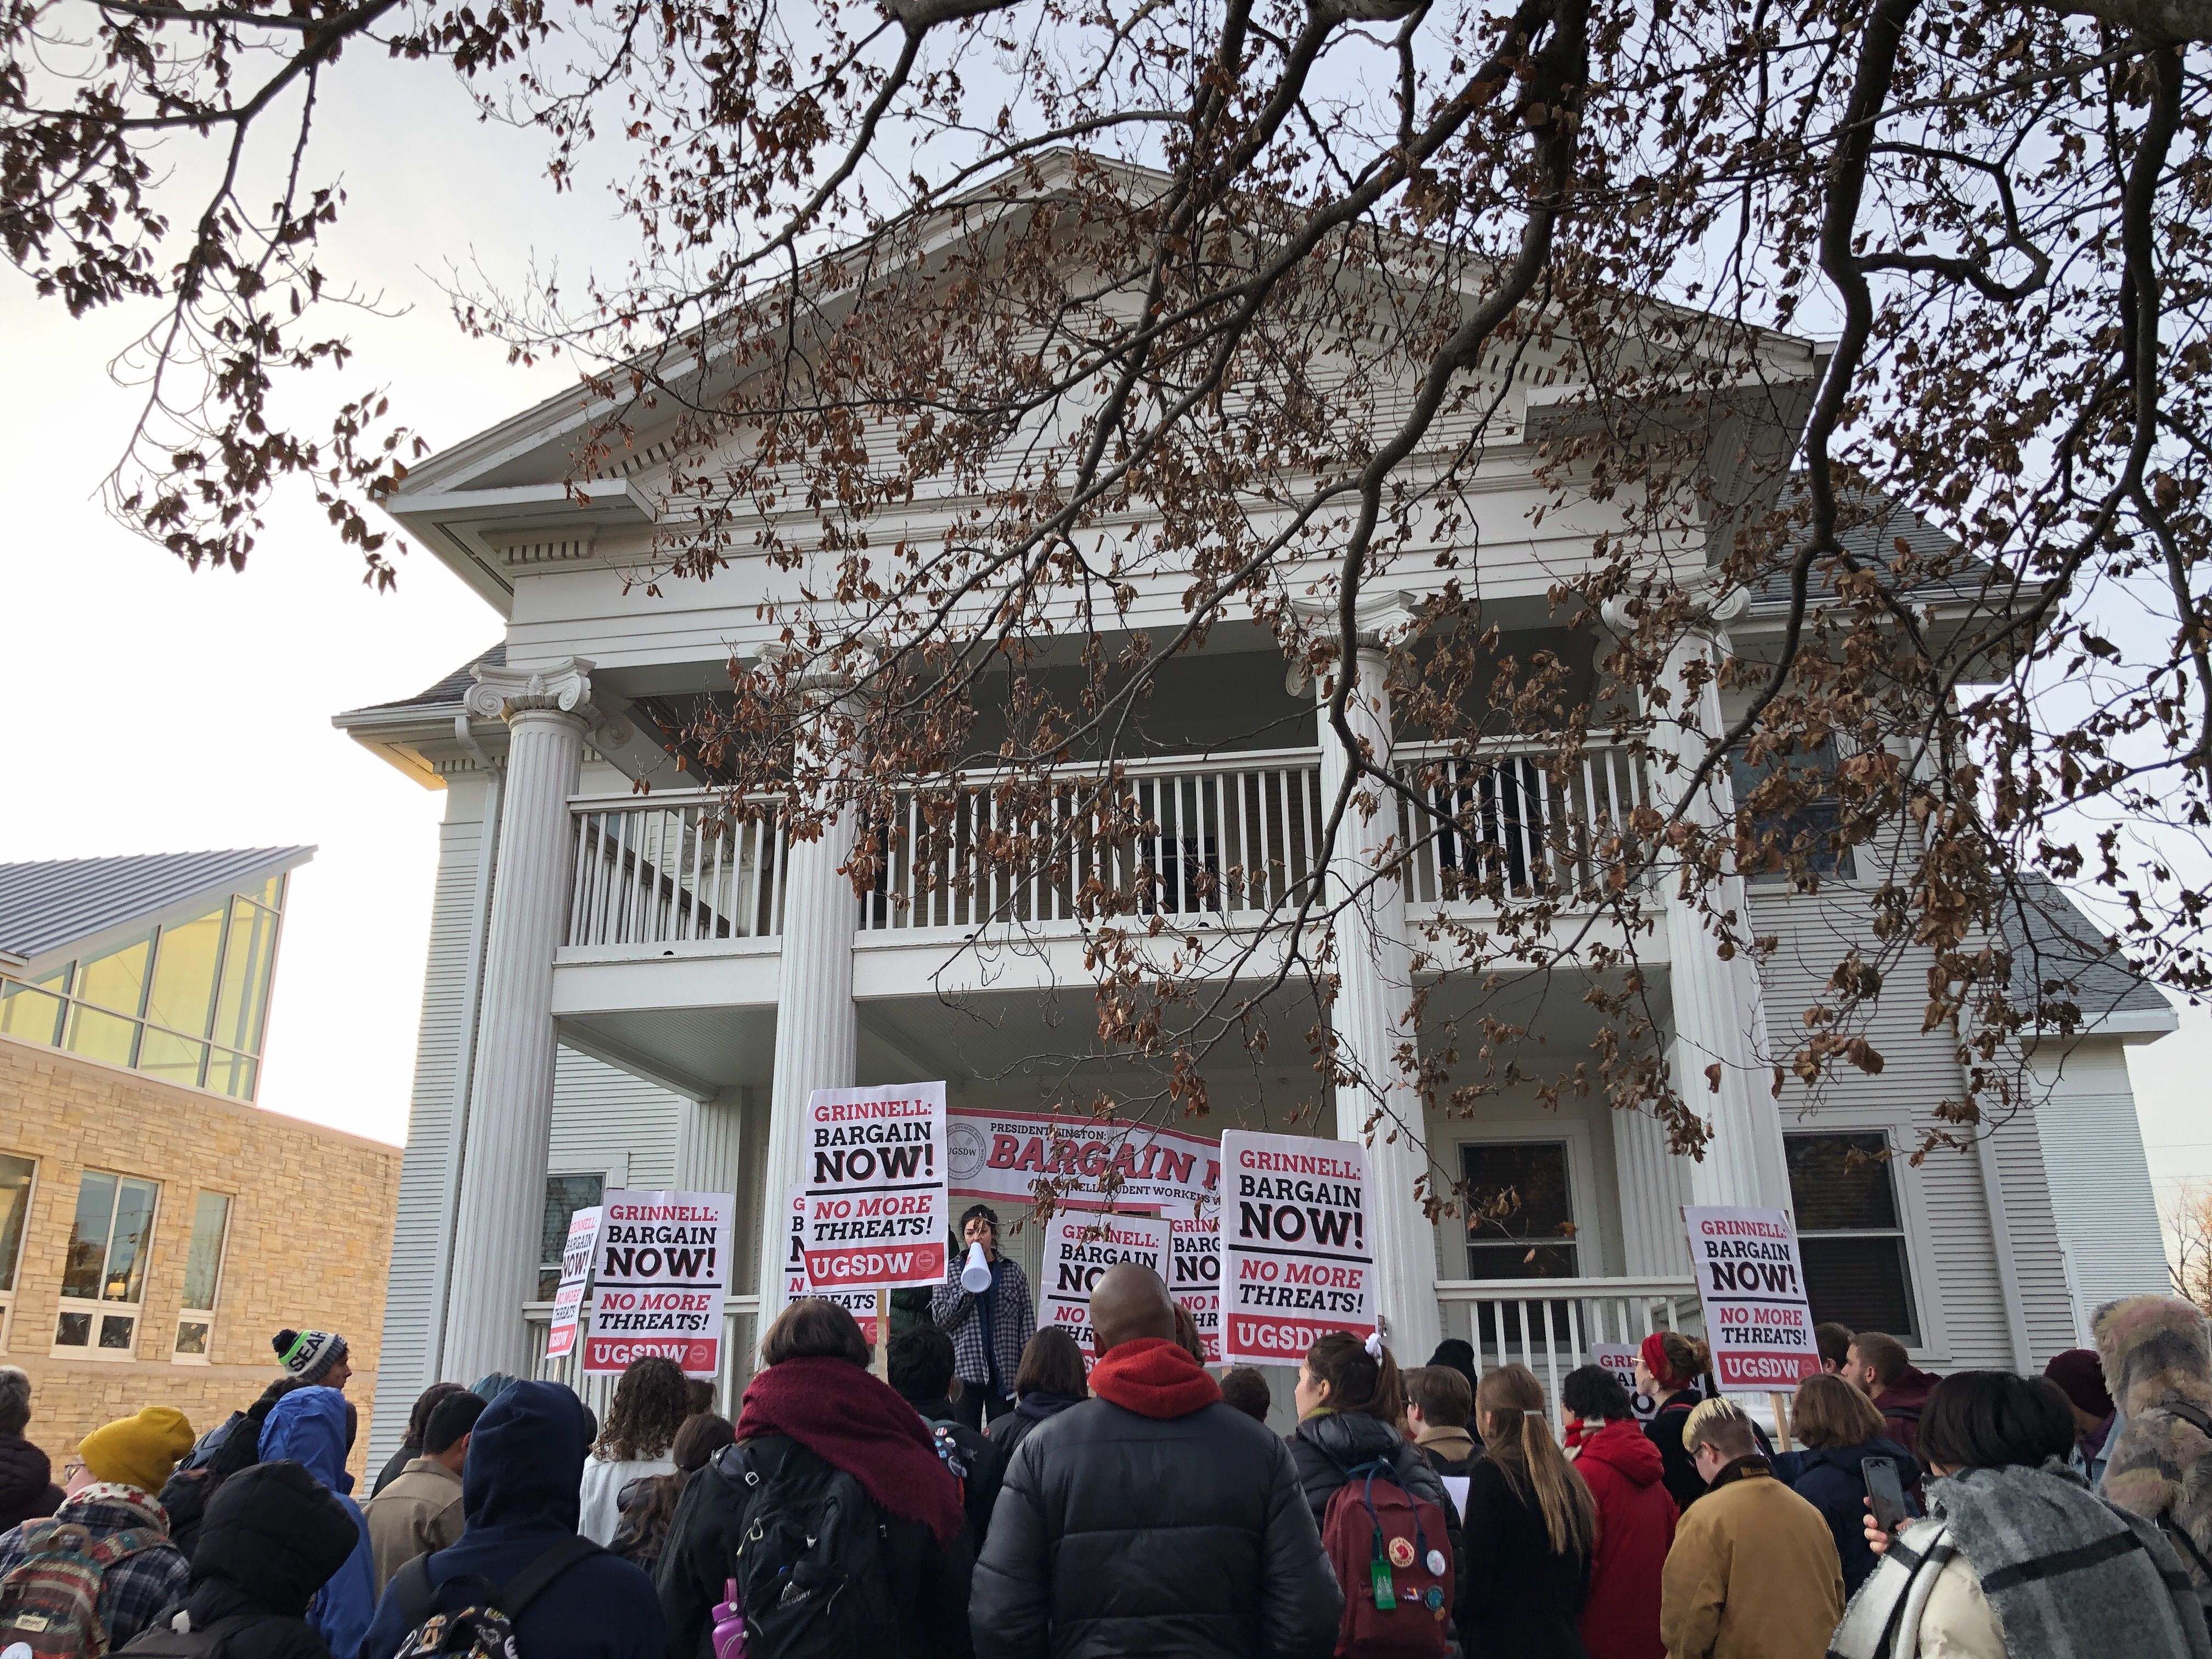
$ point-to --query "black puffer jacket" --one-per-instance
(1031, 1409)
(1120, 1533)
(27, 1491)
(271, 1536)
(1326, 1448)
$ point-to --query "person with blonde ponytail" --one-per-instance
(1531, 1528)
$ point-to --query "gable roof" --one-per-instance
(48, 904)
(2058, 950)
(1870, 526)
(446, 693)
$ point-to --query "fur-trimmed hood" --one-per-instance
(2155, 1350)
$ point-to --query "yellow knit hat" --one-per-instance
(139, 1451)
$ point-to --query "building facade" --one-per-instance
(157, 1228)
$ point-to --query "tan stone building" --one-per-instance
(157, 1228)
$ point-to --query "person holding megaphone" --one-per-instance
(985, 1307)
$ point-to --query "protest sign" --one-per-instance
(575, 1270)
(1619, 1359)
(1753, 1285)
(663, 1266)
(861, 1304)
(1078, 1249)
(1083, 1163)
(1295, 1260)
(1195, 1273)
(877, 1210)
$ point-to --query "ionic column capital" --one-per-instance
(564, 687)
(1713, 604)
(1382, 618)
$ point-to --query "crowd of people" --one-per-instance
(992, 1499)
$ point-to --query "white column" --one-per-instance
(1655, 1184)
(707, 1138)
(1719, 1009)
(814, 1021)
(1374, 971)
(502, 1191)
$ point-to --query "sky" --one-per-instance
(158, 710)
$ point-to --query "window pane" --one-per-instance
(173, 1059)
(271, 893)
(192, 1337)
(184, 974)
(203, 1265)
(115, 1331)
(230, 1074)
(31, 1015)
(1860, 1282)
(244, 994)
(101, 1036)
(87, 1250)
(118, 980)
(1841, 1184)
(73, 1330)
(1521, 1261)
(126, 1256)
(564, 1196)
(15, 1208)
(1515, 1190)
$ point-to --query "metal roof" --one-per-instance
(50, 903)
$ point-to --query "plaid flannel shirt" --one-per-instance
(139, 1587)
(1013, 1322)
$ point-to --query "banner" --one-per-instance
(861, 1304)
(1296, 1262)
(1752, 1283)
(1078, 1251)
(1195, 1280)
(1005, 1155)
(663, 1266)
(575, 1270)
(876, 1213)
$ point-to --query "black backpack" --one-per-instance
(162, 1639)
(468, 1617)
(811, 1568)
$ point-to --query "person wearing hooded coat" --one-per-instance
(233, 1445)
(520, 1497)
(1636, 1516)
(27, 1491)
(309, 1426)
(271, 1538)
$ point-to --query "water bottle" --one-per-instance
(729, 1637)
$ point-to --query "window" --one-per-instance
(1520, 1210)
(565, 1195)
(202, 1276)
(1851, 1233)
(104, 1275)
(1805, 830)
(186, 1003)
(16, 1174)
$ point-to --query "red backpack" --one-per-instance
(49, 1600)
(1393, 1557)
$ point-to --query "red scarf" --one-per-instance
(1153, 1378)
(851, 1419)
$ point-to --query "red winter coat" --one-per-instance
(1635, 1530)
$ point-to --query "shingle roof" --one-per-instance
(1870, 527)
(50, 903)
(2056, 947)
(447, 692)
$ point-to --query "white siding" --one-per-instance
(2100, 1190)
(607, 1120)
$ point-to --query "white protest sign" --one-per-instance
(1078, 1249)
(1752, 1283)
(1295, 1259)
(1082, 1162)
(663, 1268)
(861, 1304)
(575, 1269)
(1619, 1359)
(876, 1201)
(1194, 1278)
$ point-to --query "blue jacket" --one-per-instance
(308, 1425)
(1829, 1479)
(519, 1497)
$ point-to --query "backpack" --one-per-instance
(162, 1639)
(810, 1567)
(1393, 1557)
(468, 1617)
(50, 1599)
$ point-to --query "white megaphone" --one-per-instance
(975, 1275)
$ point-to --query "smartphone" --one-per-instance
(1887, 1493)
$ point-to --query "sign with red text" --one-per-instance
(1296, 1256)
(575, 1272)
(1752, 1283)
(877, 1207)
(861, 1304)
(1078, 1249)
(1081, 1163)
(1619, 1359)
(663, 1267)
(1195, 1273)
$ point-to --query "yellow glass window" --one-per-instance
(184, 974)
(230, 1074)
(173, 1059)
(118, 980)
(97, 1036)
(31, 1015)
(247, 960)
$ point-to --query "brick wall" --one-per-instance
(310, 1229)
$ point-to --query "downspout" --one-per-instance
(2001, 1238)
(464, 1063)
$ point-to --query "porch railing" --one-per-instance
(1499, 825)
(668, 869)
(739, 1344)
(1550, 1325)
